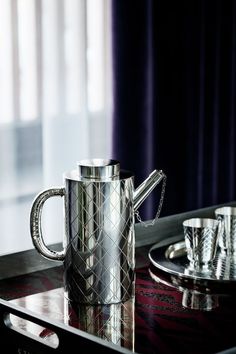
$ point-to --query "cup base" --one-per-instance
(196, 268)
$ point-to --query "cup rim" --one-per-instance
(226, 211)
(200, 223)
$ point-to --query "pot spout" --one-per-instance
(145, 188)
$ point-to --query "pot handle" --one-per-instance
(35, 224)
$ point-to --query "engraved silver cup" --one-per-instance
(227, 239)
(99, 246)
(201, 240)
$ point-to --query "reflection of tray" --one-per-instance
(172, 260)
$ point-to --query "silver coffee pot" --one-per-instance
(99, 246)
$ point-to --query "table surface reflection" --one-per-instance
(158, 320)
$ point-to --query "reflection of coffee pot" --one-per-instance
(98, 254)
(113, 323)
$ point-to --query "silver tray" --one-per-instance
(171, 260)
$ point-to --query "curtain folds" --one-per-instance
(174, 98)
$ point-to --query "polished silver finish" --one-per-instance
(201, 240)
(114, 323)
(227, 239)
(99, 267)
(191, 299)
(172, 259)
(99, 169)
(176, 250)
(99, 249)
(35, 223)
(160, 176)
(225, 266)
(141, 193)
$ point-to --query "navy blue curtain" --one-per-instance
(174, 70)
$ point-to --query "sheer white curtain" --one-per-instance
(55, 104)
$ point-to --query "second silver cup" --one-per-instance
(201, 240)
(227, 239)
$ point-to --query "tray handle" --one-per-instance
(20, 341)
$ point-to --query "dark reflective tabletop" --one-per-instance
(162, 318)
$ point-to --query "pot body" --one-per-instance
(99, 240)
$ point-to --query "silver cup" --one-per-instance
(201, 240)
(225, 266)
(227, 238)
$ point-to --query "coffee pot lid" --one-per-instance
(99, 169)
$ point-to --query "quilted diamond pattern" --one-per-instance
(99, 264)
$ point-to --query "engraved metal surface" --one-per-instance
(201, 238)
(99, 243)
(99, 262)
(99, 222)
(35, 223)
(227, 240)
